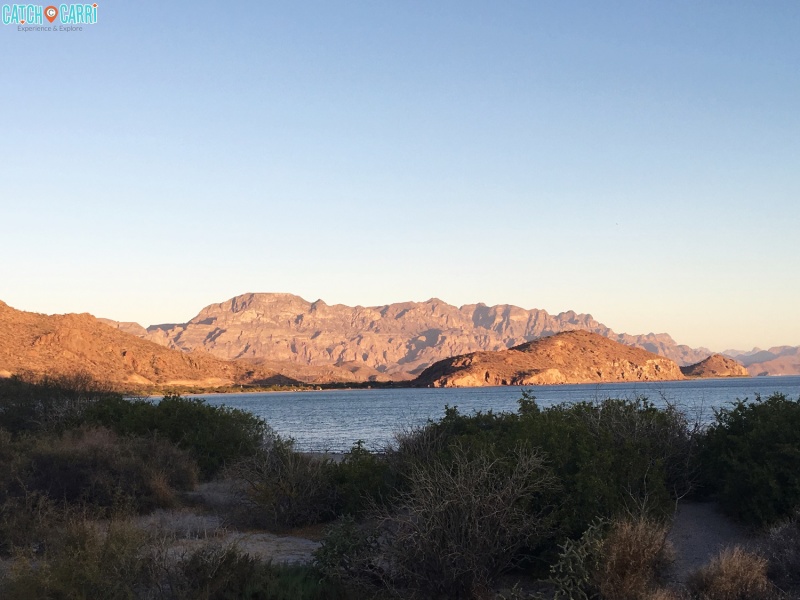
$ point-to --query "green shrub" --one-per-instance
(573, 574)
(215, 435)
(751, 459)
(613, 457)
(361, 480)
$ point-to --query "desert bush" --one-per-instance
(214, 435)
(613, 560)
(734, 574)
(348, 553)
(633, 554)
(27, 522)
(751, 459)
(781, 548)
(573, 574)
(460, 523)
(223, 572)
(119, 561)
(82, 562)
(38, 404)
(96, 468)
(9, 463)
(291, 489)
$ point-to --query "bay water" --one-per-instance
(332, 421)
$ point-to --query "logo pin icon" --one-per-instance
(50, 13)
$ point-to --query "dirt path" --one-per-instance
(699, 532)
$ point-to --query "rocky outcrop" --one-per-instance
(716, 365)
(570, 357)
(394, 341)
(56, 345)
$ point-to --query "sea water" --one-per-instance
(332, 421)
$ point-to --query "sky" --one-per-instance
(638, 161)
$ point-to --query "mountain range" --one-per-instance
(272, 339)
(779, 360)
(381, 343)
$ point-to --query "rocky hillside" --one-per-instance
(779, 360)
(716, 365)
(395, 341)
(570, 357)
(66, 344)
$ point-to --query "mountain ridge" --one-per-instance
(396, 341)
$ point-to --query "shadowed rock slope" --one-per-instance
(32, 343)
(394, 341)
(570, 357)
(716, 366)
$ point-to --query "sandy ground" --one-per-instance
(699, 531)
(220, 497)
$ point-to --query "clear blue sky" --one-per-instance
(639, 161)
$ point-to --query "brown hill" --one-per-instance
(716, 365)
(394, 341)
(570, 357)
(66, 344)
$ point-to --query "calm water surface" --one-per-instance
(334, 420)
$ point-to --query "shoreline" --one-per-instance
(398, 385)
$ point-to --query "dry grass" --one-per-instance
(734, 574)
(181, 524)
(632, 555)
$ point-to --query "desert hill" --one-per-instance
(394, 341)
(569, 357)
(716, 365)
(66, 344)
